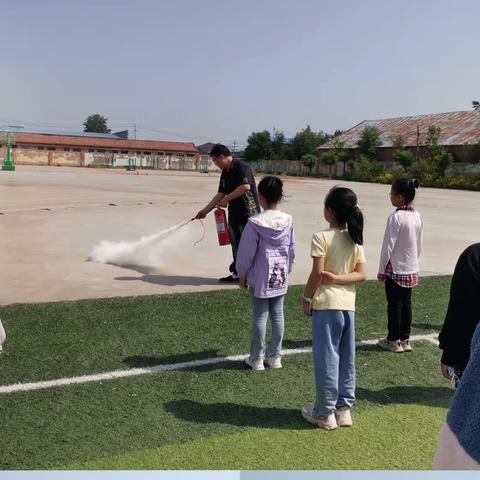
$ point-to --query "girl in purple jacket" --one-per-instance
(264, 260)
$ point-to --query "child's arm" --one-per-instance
(313, 281)
(358, 275)
(291, 251)
(390, 238)
(247, 250)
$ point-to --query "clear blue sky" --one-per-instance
(218, 70)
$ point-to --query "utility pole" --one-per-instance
(135, 131)
(418, 143)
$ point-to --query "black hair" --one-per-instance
(343, 202)
(271, 188)
(218, 150)
(405, 188)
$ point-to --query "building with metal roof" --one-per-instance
(86, 149)
(456, 129)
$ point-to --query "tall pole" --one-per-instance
(7, 162)
(418, 143)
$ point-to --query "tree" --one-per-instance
(329, 158)
(476, 105)
(337, 153)
(403, 157)
(398, 141)
(369, 141)
(96, 123)
(436, 155)
(432, 147)
(307, 141)
(442, 161)
(259, 146)
(282, 149)
(309, 160)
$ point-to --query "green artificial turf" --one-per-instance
(53, 340)
(216, 417)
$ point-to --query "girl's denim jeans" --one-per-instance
(333, 339)
(262, 307)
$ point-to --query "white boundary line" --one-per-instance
(135, 372)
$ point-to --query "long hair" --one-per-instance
(343, 202)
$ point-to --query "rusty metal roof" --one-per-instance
(457, 128)
(99, 142)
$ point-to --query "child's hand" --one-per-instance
(307, 308)
(329, 277)
(242, 282)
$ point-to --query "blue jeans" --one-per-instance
(261, 308)
(333, 341)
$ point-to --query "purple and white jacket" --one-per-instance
(266, 253)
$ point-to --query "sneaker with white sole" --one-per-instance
(395, 347)
(406, 345)
(273, 362)
(256, 364)
(327, 422)
(343, 416)
(3, 336)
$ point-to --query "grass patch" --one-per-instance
(212, 417)
(53, 340)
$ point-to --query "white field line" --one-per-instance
(135, 372)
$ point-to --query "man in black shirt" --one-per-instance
(237, 189)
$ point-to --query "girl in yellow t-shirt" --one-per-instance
(329, 298)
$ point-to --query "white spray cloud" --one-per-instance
(154, 251)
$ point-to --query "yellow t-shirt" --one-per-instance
(341, 256)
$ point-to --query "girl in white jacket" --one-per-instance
(399, 264)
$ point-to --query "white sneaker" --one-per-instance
(406, 345)
(327, 422)
(256, 365)
(343, 416)
(395, 347)
(3, 335)
(273, 362)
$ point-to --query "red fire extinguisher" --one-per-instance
(222, 226)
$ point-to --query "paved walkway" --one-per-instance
(52, 217)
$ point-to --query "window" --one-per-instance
(100, 150)
(124, 152)
(66, 149)
(25, 147)
(114, 151)
(40, 148)
(77, 149)
(51, 148)
(147, 153)
(14, 146)
(91, 150)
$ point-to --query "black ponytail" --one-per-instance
(405, 188)
(343, 202)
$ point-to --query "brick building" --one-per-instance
(91, 149)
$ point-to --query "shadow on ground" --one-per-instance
(238, 415)
(290, 418)
(171, 280)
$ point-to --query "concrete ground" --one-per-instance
(51, 218)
